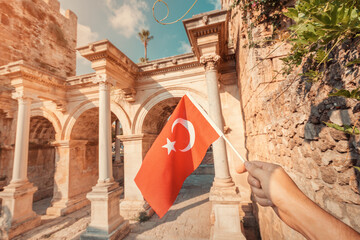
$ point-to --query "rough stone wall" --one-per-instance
(35, 31)
(283, 125)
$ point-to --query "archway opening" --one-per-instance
(84, 140)
(41, 161)
(117, 151)
(155, 120)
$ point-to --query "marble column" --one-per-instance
(135, 147)
(105, 155)
(222, 173)
(106, 222)
(224, 195)
(17, 197)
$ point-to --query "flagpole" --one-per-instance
(206, 116)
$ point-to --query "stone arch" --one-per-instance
(160, 96)
(51, 117)
(94, 103)
(41, 156)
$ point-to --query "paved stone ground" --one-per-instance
(187, 219)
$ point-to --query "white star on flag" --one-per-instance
(170, 146)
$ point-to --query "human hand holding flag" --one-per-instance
(175, 154)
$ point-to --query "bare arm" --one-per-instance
(271, 186)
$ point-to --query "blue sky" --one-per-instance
(121, 20)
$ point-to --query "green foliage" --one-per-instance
(353, 62)
(357, 168)
(320, 26)
(346, 128)
(145, 37)
(267, 11)
(312, 75)
(355, 94)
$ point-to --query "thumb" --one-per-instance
(254, 170)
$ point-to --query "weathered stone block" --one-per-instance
(328, 174)
(311, 132)
(340, 117)
(330, 156)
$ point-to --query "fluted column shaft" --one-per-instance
(22, 140)
(105, 158)
(222, 174)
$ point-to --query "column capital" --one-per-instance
(210, 61)
(103, 80)
(21, 96)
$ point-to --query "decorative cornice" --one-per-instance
(208, 31)
(203, 32)
(210, 62)
(167, 62)
(27, 72)
(125, 65)
(81, 80)
(103, 52)
(171, 69)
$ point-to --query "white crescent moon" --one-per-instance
(190, 127)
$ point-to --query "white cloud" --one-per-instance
(216, 3)
(129, 17)
(84, 36)
(184, 48)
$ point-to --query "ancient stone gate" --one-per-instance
(68, 119)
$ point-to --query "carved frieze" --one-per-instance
(26, 72)
(129, 94)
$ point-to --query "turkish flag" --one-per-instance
(175, 154)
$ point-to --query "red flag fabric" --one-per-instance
(175, 154)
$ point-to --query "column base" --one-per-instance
(106, 222)
(226, 213)
(63, 207)
(95, 234)
(130, 209)
(17, 214)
